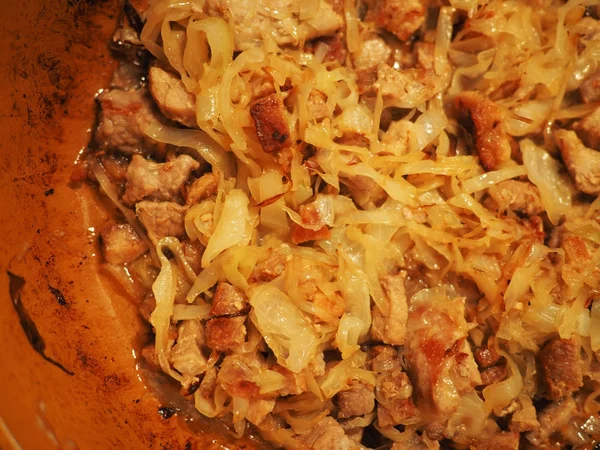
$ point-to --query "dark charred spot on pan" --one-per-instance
(60, 298)
(15, 286)
(49, 192)
(165, 412)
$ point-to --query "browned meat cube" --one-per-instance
(228, 301)
(384, 358)
(561, 367)
(389, 322)
(204, 187)
(271, 125)
(157, 181)
(121, 244)
(484, 120)
(590, 88)
(582, 162)
(588, 129)
(225, 333)
(161, 219)
(269, 268)
(172, 97)
(394, 398)
(551, 420)
(400, 17)
(357, 400)
(514, 195)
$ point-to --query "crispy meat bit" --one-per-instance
(493, 374)
(157, 181)
(514, 195)
(373, 51)
(336, 47)
(425, 55)
(225, 333)
(186, 356)
(590, 88)
(366, 193)
(483, 119)
(389, 321)
(400, 17)
(406, 88)
(269, 268)
(121, 244)
(561, 369)
(328, 434)
(172, 97)
(204, 187)
(582, 162)
(486, 356)
(394, 398)
(552, 419)
(317, 106)
(437, 352)
(228, 301)
(357, 400)
(161, 219)
(588, 129)
(310, 216)
(271, 125)
(384, 358)
(123, 115)
(251, 25)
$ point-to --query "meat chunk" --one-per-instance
(590, 88)
(425, 55)
(389, 321)
(561, 368)
(366, 193)
(400, 17)
(157, 181)
(588, 129)
(357, 400)
(161, 219)
(486, 356)
(204, 187)
(440, 361)
(336, 47)
(498, 441)
(228, 301)
(123, 118)
(483, 119)
(582, 162)
(406, 88)
(311, 218)
(514, 195)
(373, 52)
(317, 106)
(121, 244)
(172, 97)
(225, 333)
(524, 419)
(493, 374)
(552, 420)
(269, 268)
(186, 356)
(271, 124)
(394, 398)
(251, 25)
(328, 434)
(384, 358)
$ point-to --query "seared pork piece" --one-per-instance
(186, 356)
(588, 129)
(499, 441)
(272, 128)
(482, 118)
(400, 88)
(561, 367)
(493, 374)
(225, 333)
(373, 51)
(317, 106)
(251, 25)
(121, 244)
(356, 400)
(310, 216)
(514, 195)
(204, 187)
(228, 301)
(389, 322)
(123, 117)
(552, 420)
(582, 162)
(384, 358)
(336, 47)
(172, 97)
(364, 191)
(400, 17)
(328, 434)
(425, 55)
(161, 219)
(269, 268)
(590, 88)
(440, 361)
(157, 181)
(394, 398)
